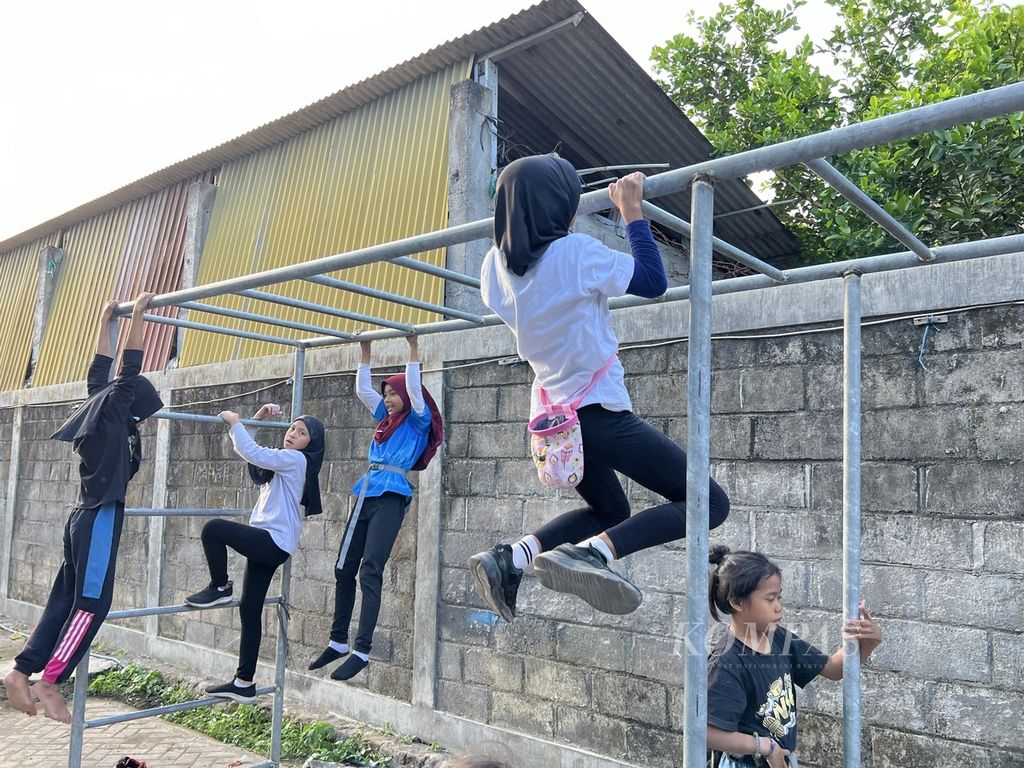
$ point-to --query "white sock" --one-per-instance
(339, 647)
(524, 550)
(598, 543)
(363, 656)
(242, 683)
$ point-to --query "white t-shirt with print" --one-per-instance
(559, 313)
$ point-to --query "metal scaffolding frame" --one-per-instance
(809, 150)
(79, 723)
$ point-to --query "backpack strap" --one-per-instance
(566, 409)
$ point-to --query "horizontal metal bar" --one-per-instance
(99, 722)
(634, 167)
(407, 246)
(441, 326)
(251, 317)
(182, 416)
(870, 208)
(836, 269)
(883, 263)
(662, 216)
(963, 109)
(160, 320)
(143, 512)
(375, 293)
(166, 610)
(882, 130)
(430, 269)
(324, 309)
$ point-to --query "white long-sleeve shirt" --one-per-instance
(277, 509)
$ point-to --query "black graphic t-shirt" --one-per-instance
(751, 692)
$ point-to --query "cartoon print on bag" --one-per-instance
(566, 453)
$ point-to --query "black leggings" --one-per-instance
(365, 547)
(263, 557)
(620, 441)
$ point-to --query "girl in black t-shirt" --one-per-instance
(753, 668)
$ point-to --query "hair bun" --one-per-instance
(717, 553)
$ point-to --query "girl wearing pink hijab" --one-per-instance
(407, 435)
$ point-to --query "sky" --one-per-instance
(96, 95)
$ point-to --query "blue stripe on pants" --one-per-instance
(100, 544)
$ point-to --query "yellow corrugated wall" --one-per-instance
(17, 311)
(92, 255)
(377, 173)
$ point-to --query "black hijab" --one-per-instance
(534, 203)
(314, 453)
(87, 417)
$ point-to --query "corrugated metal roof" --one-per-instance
(374, 174)
(92, 252)
(18, 273)
(603, 109)
(135, 247)
(152, 261)
(594, 76)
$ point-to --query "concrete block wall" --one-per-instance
(943, 535)
(943, 542)
(46, 493)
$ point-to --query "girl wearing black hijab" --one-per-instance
(551, 288)
(104, 434)
(288, 478)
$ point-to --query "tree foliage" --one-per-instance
(745, 89)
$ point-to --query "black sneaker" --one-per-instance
(497, 580)
(244, 694)
(212, 595)
(582, 571)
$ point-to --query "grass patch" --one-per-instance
(244, 725)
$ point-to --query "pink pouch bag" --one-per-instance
(556, 440)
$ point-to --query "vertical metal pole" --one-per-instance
(297, 373)
(282, 659)
(286, 584)
(157, 523)
(698, 470)
(78, 712)
(851, 515)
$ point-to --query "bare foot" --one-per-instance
(19, 694)
(53, 703)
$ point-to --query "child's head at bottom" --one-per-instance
(745, 585)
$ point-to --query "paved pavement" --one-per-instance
(38, 741)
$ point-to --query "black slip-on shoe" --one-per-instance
(212, 595)
(497, 580)
(325, 658)
(244, 694)
(353, 666)
(583, 572)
